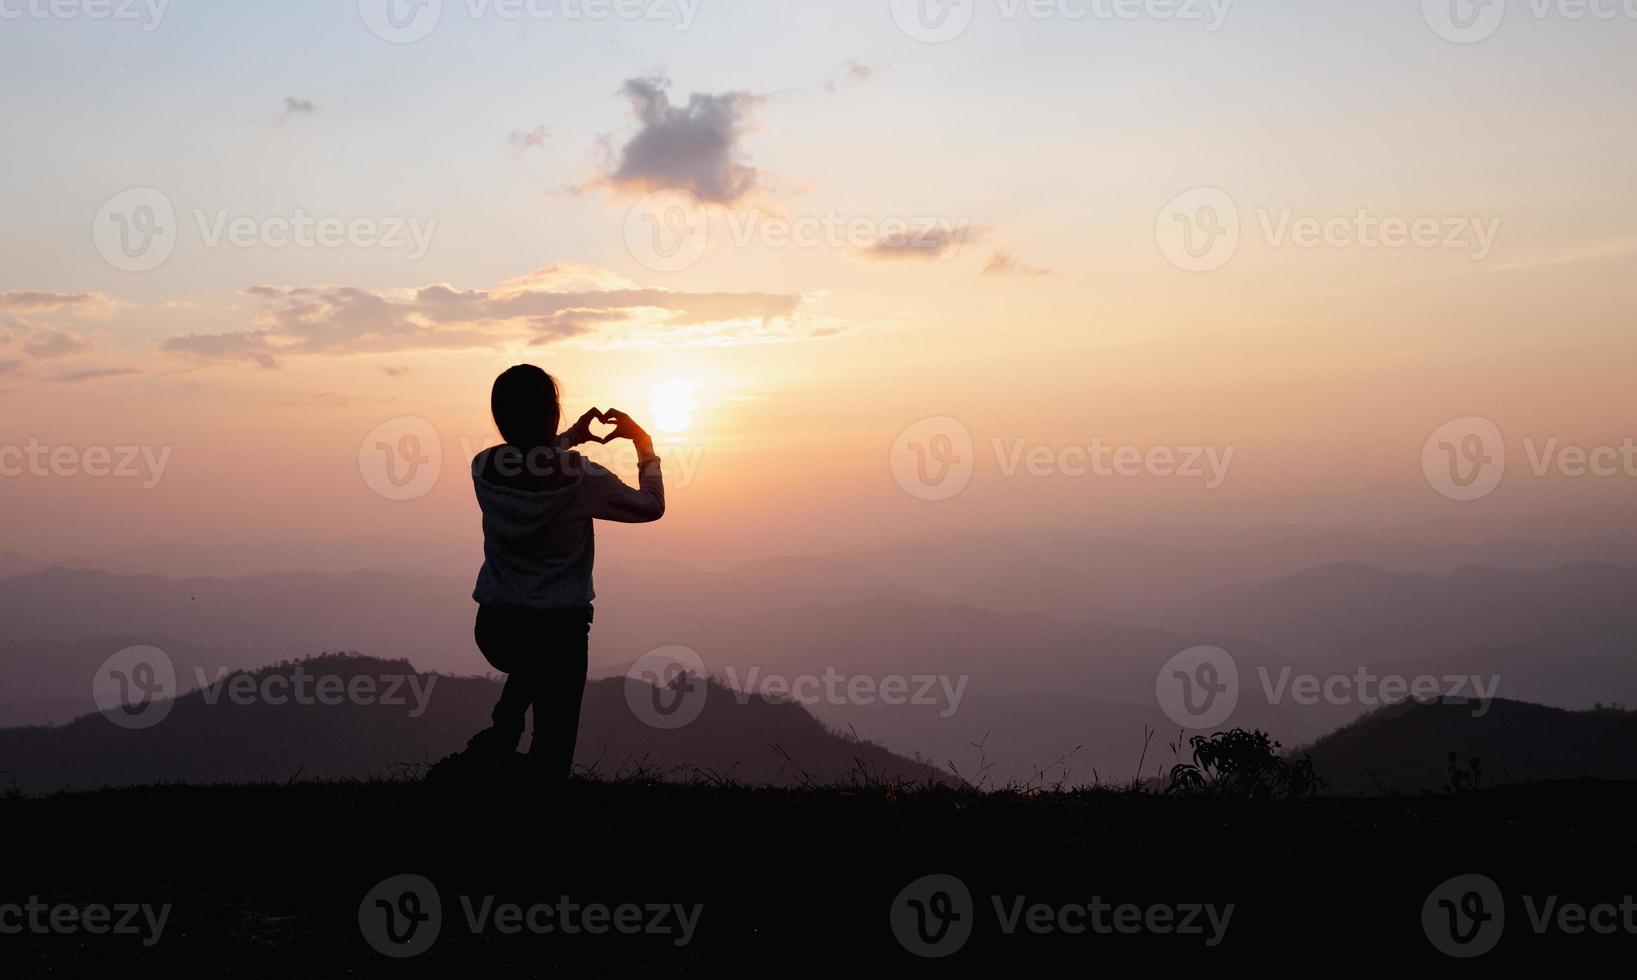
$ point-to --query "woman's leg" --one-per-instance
(500, 639)
(557, 695)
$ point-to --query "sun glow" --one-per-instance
(673, 404)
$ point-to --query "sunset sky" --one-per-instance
(1038, 298)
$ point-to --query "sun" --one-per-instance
(672, 404)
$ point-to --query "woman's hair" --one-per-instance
(526, 407)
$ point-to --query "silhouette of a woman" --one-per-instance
(539, 498)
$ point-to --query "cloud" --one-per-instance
(550, 305)
(296, 107)
(10, 368)
(921, 241)
(522, 142)
(34, 301)
(94, 374)
(46, 344)
(330, 399)
(1004, 263)
(694, 147)
(396, 371)
(854, 71)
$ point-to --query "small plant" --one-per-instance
(1464, 779)
(1242, 763)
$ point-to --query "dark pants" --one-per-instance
(543, 655)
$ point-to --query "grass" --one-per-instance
(267, 880)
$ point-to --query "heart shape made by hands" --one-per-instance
(601, 423)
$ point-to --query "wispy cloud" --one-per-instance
(294, 107)
(551, 305)
(1004, 263)
(48, 344)
(36, 301)
(94, 374)
(925, 242)
(853, 71)
(522, 141)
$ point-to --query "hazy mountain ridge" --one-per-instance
(412, 719)
(1406, 747)
(1033, 687)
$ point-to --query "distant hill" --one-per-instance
(12, 565)
(1405, 748)
(44, 682)
(756, 741)
(427, 619)
(1352, 613)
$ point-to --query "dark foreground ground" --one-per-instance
(304, 881)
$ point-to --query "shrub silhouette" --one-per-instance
(1242, 763)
